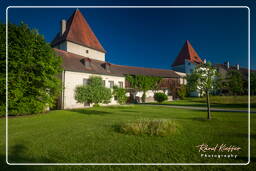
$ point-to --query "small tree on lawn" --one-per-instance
(235, 82)
(203, 79)
(120, 94)
(143, 83)
(93, 92)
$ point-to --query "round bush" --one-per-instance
(160, 97)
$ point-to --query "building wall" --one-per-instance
(73, 79)
(189, 67)
(182, 79)
(81, 50)
(179, 68)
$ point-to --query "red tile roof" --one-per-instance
(78, 31)
(187, 52)
(74, 62)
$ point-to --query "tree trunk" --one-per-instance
(208, 105)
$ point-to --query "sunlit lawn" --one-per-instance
(225, 102)
(90, 136)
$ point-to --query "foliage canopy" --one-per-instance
(143, 83)
(32, 71)
(93, 92)
(120, 94)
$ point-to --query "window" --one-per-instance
(87, 51)
(85, 81)
(104, 83)
(111, 84)
(121, 85)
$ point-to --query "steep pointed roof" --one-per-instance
(78, 31)
(187, 52)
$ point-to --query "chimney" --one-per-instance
(227, 64)
(204, 61)
(237, 66)
(63, 24)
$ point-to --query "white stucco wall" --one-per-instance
(74, 79)
(81, 50)
(182, 79)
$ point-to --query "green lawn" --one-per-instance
(225, 102)
(90, 135)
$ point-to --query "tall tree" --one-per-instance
(235, 82)
(253, 83)
(33, 67)
(203, 80)
(93, 92)
(143, 83)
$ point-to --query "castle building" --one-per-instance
(187, 59)
(83, 56)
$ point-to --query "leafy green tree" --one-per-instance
(120, 94)
(3, 71)
(33, 67)
(93, 92)
(182, 91)
(235, 82)
(143, 83)
(160, 97)
(253, 83)
(203, 80)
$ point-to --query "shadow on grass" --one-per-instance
(130, 111)
(17, 155)
(90, 112)
(116, 128)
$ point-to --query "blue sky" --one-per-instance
(154, 37)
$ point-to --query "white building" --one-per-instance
(84, 56)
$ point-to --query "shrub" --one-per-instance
(182, 91)
(159, 127)
(160, 97)
(94, 92)
(119, 93)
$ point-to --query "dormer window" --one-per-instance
(86, 62)
(107, 66)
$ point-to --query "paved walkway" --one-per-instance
(200, 108)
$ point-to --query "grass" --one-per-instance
(90, 135)
(225, 102)
(153, 127)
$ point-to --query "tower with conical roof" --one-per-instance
(187, 59)
(76, 36)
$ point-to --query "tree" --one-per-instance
(253, 83)
(182, 91)
(203, 80)
(235, 82)
(93, 92)
(33, 67)
(143, 83)
(120, 94)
